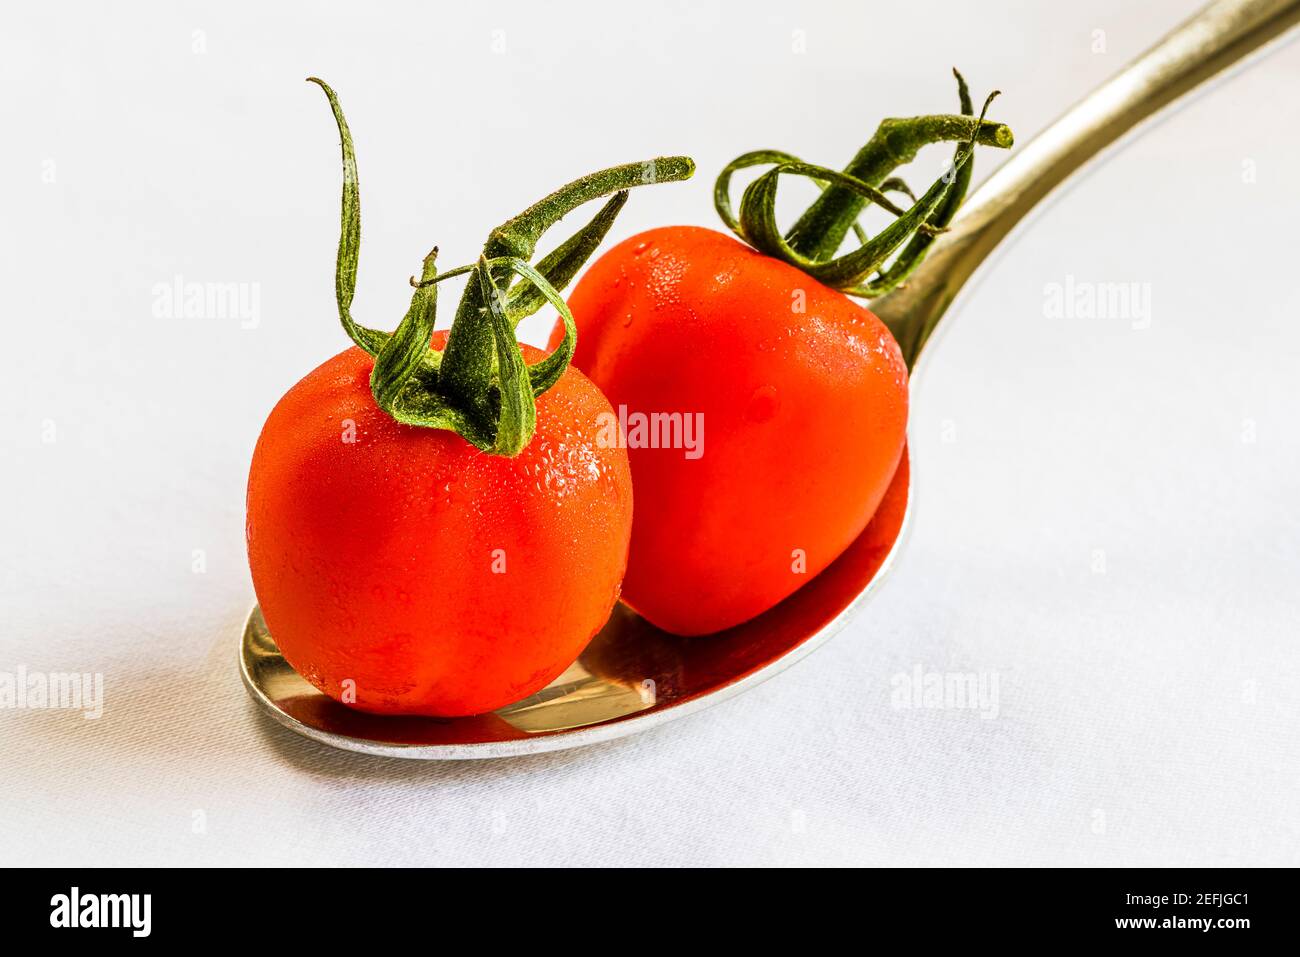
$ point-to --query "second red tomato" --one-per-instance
(791, 414)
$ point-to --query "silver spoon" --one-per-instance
(633, 676)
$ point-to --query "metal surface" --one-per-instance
(634, 676)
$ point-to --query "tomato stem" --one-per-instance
(479, 386)
(467, 361)
(815, 238)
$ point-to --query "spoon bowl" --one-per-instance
(631, 677)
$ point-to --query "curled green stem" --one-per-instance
(467, 361)
(345, 270)
(813, 241)
(479, 386)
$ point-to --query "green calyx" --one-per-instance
(813, 242)
(479, 386)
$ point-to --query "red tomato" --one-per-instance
(425, 577)
(802, 395)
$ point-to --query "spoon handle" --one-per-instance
(1215, 38)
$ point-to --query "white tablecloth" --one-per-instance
(1108, 508)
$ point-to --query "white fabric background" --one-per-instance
(1160, 697)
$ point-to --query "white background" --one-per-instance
(1148, 714)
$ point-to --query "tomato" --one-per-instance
(797, 394)
(435, 524)
(802, 395)
(403, 571)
